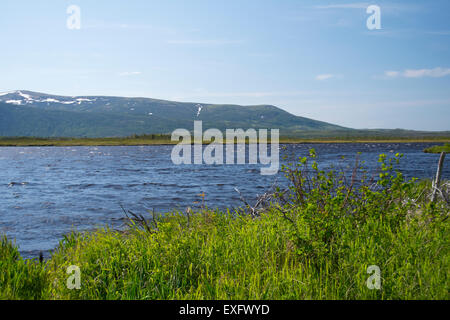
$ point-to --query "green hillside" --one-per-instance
(31, 114)
(25, 113)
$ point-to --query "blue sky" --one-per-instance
(312, 58)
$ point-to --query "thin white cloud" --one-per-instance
(214, 42)
(392, 74)
(322, 77)
(128, 73)
(126, 26)
(419, 73)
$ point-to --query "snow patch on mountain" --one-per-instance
(50, 100)
(26, 96)
(85, 99)
(200, 107)
(21, 98)
(16, 102)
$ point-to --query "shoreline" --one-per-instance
(99, 142)
(208, 254)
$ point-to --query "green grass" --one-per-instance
(439, 149)
(161, 139)
(151, 139)
(315, 242)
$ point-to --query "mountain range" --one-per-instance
(27, 113)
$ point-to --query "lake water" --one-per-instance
(45, 192)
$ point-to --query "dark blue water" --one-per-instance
(46, 192)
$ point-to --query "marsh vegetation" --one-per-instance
(312, 240)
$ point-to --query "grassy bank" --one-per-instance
(439, 149)
(154, 139)
(159, 139)
(314, 240)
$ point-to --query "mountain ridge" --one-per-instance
(28, 113)
(55, 115)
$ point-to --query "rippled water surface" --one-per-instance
(47, 191)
